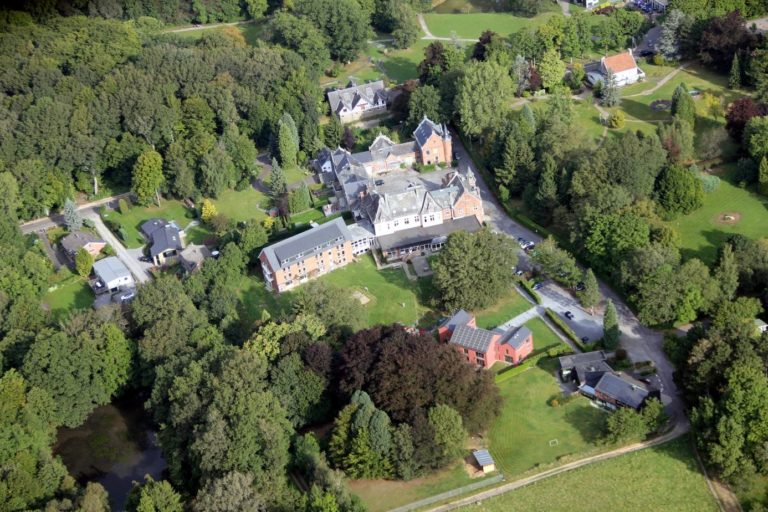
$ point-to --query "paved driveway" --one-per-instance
(560, 301)
(129, 260)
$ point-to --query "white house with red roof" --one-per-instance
(624, 68)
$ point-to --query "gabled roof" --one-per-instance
(573, 360)
(427, 128)
(351, 96)
(165, 239)
(298, 247)
(620, 62)
(623, 388)
(151, 225)
(517, 338)
(479, 340)
(110, 268)
(77, 239)
(461, 317)
(194, 255)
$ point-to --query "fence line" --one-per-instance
(450, 494)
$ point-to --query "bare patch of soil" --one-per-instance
(728, 218)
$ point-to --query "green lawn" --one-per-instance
(70, 294)
(703, 232)
(294, 174)
(313, 214)
(520, 438)
(662, 478)
(170, 209)
(511, 305)
(382, 495)
(252, 32)
(242, 205)
(255, 298)
(470, 26)
(543, 336)
(393, 298)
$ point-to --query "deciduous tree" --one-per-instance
(83, 262)
(148, 177)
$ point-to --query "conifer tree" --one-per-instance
(611, 331)
(762, 177)
(72, 217)
(590, 295)
(734, 78)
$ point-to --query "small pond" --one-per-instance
(115, 447)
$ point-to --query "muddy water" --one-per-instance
(115, 446)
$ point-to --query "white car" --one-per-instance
(594, 78)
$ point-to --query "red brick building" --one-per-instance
(483, 347)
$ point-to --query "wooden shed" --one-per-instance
(484, 460)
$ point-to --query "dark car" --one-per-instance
(145, 259)
(580, 287)
(584, 339)
(568, 315)
(647, 53)
(379, 183)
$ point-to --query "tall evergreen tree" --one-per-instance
(734, 77)
(278, 186)
(668, 45)
(332, 132)
(727, 273)
(590, 295)
(287, 140)
(762, 177)
(683, 106)
(72, 217)
(611, 94)
(611, 331)
(148, 177)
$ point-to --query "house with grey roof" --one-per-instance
(357, 102)
(193, 256)
(596, 380)
(77, 240)
(312, 253)
(165, 238)
(485, 347)
(111, 276)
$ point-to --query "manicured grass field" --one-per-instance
(169, 209)
(470, 26)
(662, 478)
(382, 495)
(393, 298)
(704, 231)
(511, 305)
(543, 336)
(252, 32)
(530, 432)
(70, 294)
(242, 205)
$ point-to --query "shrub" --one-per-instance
(658, 60)
(529, 289)
(620, 354)
(122, 234)
(554, 402)
(123, 206)
(208, 211)
(616, 120)
(220, 223)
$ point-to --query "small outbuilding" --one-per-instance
(484, 460)
(193, 256)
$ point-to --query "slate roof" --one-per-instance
(351, 96)
(165, 238)
(573, 360)
(483, 457)
(193, 256)
(109, 269)
(418, 235)
(427, 128)
(479, 340)
(77, 239)
(622, 388)
(461, 317)
(620, 62)
(298, 247)
(517, 337)
(151, 225)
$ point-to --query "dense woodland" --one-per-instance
(93, 102)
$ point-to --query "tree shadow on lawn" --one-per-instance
(708, 254)
(400, 69)
(587, 420)
(643, 111)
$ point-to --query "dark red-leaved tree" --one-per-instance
(407, 374)
(722, 38)
(739, 114)
(481, 47)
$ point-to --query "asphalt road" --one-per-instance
(130, 261)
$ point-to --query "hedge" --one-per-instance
(568, 331)
(529, 288)
(530, 362)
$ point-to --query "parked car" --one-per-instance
(145, 259)
(518, 272)
(580, 287)
(647, 53)
(568, 315)
(529, 247)
(537, 286)
(585, 339)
